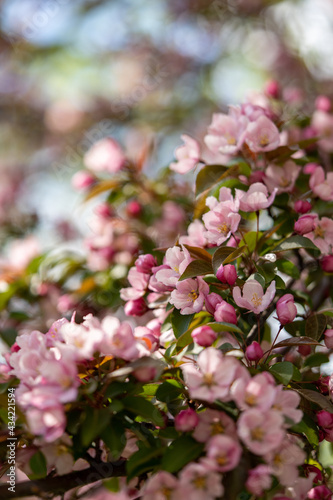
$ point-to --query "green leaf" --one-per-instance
(317, 398)
(316, 359)
(182, 451)
(225, 255)
(114, 437)
(196, 268)
(296, 242)
(250, 240)
(180, 322)
(143, 408)
(287, 267)
(280, 284)
(315, 326)
(9, 335)
(225, 327)
(38, 466)
(169, 390)
(211, 175)
(112, 484)
(296, 342)
(284, 372)
(143, 460)
(296, 327)
(307, 427)
(95, 421)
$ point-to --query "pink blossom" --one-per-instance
(226, 198)
(323, 188)
(320, 493)
(136, 307)
(82, 339)
(212, 300)
(220, 223)
(259, 480)
(282, 178)
(212, 377)
(225, 313)
(119, 339)
(272, 89)
(139, 282)
(310, 168)
(286, 309)
(256, 198)
(328, 338)
(145, 263)
(322, 235)
(262, 135)
(49, 423)
(254, 352)
(227, 274)
(196, 236)
(105, 155)
(285, 460)
(189, 295)
(204, 335)
(286, 403)
(161, 486)
(255, 430)
(326, 263)
(305, 224)
(134, 208)
(186, 420)
(322, 123)
(223, 453)
(323, 103)
(201, 483)
(58, 454)
(302, 206)
(83, 180)
(187, 155)
(253, 297)
(212, 423)
(226, 133)
(253, 393)
(157, 286)
(177, 259)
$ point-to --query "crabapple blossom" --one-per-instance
(83, 180)
(302, 206)
(253, 393)
(286, 309)
(326, 263)
(105, 155)
(48, 422)
(321, 186)
(227, 274)
(321, 492)
(284, 461)
(134, 208)
(262, 135)
(254, 351)
(323, 103)
(253, 297)
(283, 178)
(187, 155)
(200, 482)
(145, 263)
(211, 302)
(136, 307)
(305, 224)
(223, 453)
(322, 235)
(255, 430)
(195, 235)
(322, 123)
(225, 313)
(211, 423)
(259, 480)
(189, 295)
(328, 338)
(226, 133)
(226, 198)
(177, 259)
(139, 282)
(186, 420)
(286, 403)
(212, 377)
(119, 340)
(256, 198)
(204, 335)
(161, 486)
(220, 223)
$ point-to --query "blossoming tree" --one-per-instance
(212, 380)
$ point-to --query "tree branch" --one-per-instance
(60, 484)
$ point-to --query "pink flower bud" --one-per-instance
(204, 335)
(186, 420)
(136, 307)
(328, 339)
(272, 89)
(15, 347)
(145, 373)
(254, 352)
(305, 224)
(323, 103)
(66, 303)
(211, 301)
(308, 469)
(325, 419)
(302, 206)
(145, 263)
(327, 263)
(82, 180)
(104, 210)
(227, 274)
(320, 493)
(225, 313)
(286, 309)
(304, 350)
(310, 168)
(134, 208)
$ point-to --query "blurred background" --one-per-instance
(75, 71)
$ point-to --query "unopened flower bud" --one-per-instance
(134, 208)
(305, 224)
(186, 420)
(323, 103)
(326, 263)
(82, 180)
(286, 309)
(227, 274)
(320, 493)
(204, 335)
(254, 352)
(136, 307)
(328, 338)
(225, 313)
(302, 206)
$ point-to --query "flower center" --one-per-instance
(264, 141)
(216, 428)
(319, 232)
(199, 483)
(257, 434)
(231, 140)
(222, 460)
(284, 182)
(193, 295)
(250, 400)
(208, 379)
(277, 461)
(256, 301)
(176, 269)
(223, 229)
(166, 492)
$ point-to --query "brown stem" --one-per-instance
(61, 484)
